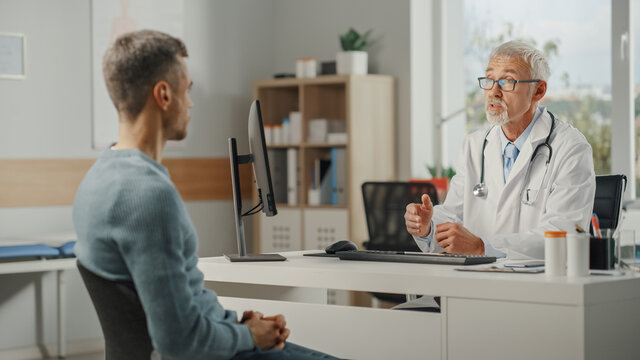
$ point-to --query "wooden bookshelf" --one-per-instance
(366, 105)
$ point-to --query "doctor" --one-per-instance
(527, 174)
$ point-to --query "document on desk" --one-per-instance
(502, 269)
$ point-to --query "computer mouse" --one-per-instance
(342, 245)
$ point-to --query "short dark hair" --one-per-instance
(135, 62)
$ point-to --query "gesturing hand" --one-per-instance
(417, 217)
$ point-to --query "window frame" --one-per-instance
(623, 132)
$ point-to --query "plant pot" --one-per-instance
(351, 62)
(441, 184)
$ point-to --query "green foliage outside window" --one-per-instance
(593, 118)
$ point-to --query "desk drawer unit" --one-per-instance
(488, 329)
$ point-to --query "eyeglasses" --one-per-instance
(504, 84)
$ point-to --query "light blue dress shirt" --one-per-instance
(519, 143)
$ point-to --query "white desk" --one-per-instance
(57, 265)
(483, 315)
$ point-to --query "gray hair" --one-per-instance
(135, 62)
(533, 57)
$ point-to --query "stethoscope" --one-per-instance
(480, 189)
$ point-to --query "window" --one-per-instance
(575, 37)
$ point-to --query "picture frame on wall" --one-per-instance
(110, 19)
(12, 56)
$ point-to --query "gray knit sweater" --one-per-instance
(132, 226)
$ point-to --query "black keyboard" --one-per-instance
(415, 257)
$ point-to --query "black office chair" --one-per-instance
(608, 200)
(384, 205)
(607, 205)
(122, 318)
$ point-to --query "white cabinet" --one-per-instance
(323, 227)
(282, 232)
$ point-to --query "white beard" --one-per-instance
(497, 117)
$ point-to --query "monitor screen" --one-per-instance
(258, 150)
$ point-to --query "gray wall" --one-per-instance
(48, 115)
(310, 28)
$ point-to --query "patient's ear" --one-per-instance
(161, 93)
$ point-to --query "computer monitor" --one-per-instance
(266, 203)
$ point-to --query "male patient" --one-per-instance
(132, 225)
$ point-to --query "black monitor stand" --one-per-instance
(242, 255)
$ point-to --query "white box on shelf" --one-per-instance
(313, 197)
(276, 134)
(286, 131)
(318, 130)
(337, 138)
(306, 68)
(295, 129)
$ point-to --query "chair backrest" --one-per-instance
(384, 205)
(122, 318)
(608, 199)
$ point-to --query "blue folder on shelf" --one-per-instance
(37, 251)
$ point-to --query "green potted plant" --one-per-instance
(353, 58)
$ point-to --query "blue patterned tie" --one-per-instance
(510, 154)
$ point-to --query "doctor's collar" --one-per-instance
(520, 141)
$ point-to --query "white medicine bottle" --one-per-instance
(555, 253)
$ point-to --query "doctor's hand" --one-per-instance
(456, 239)
(269, 332)
(417, 217)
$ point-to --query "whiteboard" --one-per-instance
(110, 19)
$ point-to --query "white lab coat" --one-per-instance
(500, 219)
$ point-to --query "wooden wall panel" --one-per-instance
(207, 178)
(50, 182)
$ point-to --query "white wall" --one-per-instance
(48, 115)
(310, 28)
